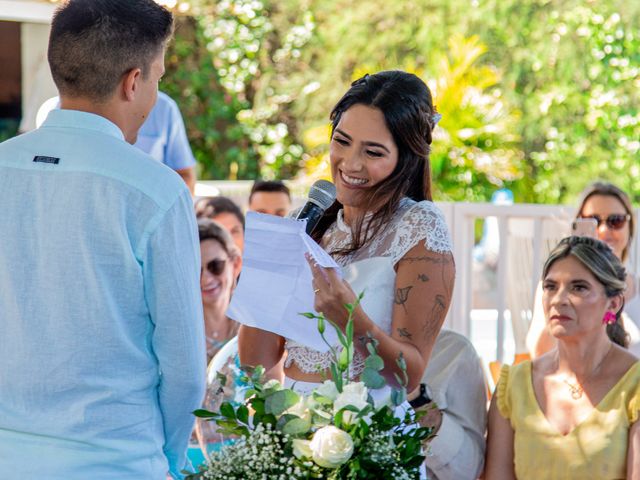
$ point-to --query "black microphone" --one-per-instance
(321, 195)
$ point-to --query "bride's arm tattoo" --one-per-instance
(404, 333)
(402, 295)
(442, 292)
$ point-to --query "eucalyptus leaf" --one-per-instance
(398, 397)
(374, 362)
(402, 364)
(296, 426)
(372, 379)
(279, 401)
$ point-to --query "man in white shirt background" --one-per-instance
(454, 395)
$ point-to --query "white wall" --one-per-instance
(37, 84)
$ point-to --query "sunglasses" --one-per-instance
(215, 266)
(615, 221)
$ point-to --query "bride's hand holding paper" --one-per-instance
(332, 292)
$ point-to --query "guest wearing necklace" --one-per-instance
(572, 413)
(221, 263)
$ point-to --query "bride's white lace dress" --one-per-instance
(371, 269)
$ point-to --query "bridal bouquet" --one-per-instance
(337, 431)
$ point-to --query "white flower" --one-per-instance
(300, 409)
(352, 394)
(327, 389)
(331, 447)
(302, 448)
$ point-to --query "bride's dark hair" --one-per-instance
(407, 106)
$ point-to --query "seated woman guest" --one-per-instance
(384, 230)
(221, 263)
(572, 413)
(611, 208)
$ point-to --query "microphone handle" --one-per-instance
(313, 213)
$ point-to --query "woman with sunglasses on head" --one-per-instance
(383, 229)
(221, 264)
(572, 413)
(611, 209)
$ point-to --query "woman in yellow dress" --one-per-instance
(572, 413)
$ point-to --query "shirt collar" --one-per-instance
(83, 120)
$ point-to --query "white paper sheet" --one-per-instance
(275, 283)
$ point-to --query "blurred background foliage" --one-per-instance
(540, 96)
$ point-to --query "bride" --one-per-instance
(383, 229)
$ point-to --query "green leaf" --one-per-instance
(257, 404)
(296, 426)
(337, 377)
(349, 330)
(398, 397)
(226, 410)
(341, 337)
(269, 418)
(279, 401)
(257, 373)
(308, 315)
(321, 325)
(372, 379)
(321, 399)
(374, 362)
(201, 413)
(250, 393)
(243, 414)
(402, 364)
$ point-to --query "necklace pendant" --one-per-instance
(575, 389)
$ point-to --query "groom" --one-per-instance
(101, 347)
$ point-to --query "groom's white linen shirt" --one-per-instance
(456, 378)
(102, 356)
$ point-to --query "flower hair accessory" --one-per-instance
(435, 118)
(609, 318)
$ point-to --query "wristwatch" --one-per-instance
(423, 397)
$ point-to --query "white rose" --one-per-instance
(354, 394)
(300, 409)
(331, 447)
(302, 448)
(327, 389)
(356, 388)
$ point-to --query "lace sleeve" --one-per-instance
(422, 221)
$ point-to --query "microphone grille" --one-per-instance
(322, 193)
